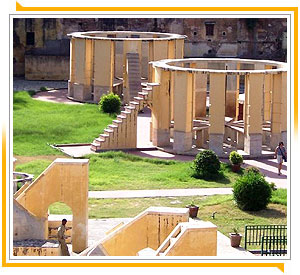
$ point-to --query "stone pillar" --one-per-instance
(279, 89)
(158, 50)
(217, 112)
(284, 109)
(82, 89)
(179, 48)
(72, 68)
(161, 109)
(130, 46)
(232, 91)
(267, 95)
(183, 111)
(253, 113)
(104, 53)
(200, 90)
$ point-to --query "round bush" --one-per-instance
(206, 164)
(110, 104)
(252, 169)
(252, 192)
(235, 158)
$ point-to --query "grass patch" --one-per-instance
(227, 216)
(120, 171)
(37, 124)
(279, 196)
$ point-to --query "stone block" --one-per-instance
(182, 141)
(70, 89)
(99, 91)
(216, 143)
(82, 92)
(161, 137)
(253, 144)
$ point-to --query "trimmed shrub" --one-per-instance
(206, 164)
(235, 158)
(110, 104)
(252, 169)
(252, 192)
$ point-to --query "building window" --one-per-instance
(30, 38)
(209, 28)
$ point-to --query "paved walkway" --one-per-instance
(21, 84)
(159, 193)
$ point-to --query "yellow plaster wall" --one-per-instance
(148, 229)
(179, 48)
(284, 102)
(254, 103)
(65, 180)
(79, 61)
(196, 242)
(103, 63)
(267, 96)
(217, 103)
(161, 101)
(72, 60)
(183, 101)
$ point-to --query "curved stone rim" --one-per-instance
(88, 35)
(166, 66)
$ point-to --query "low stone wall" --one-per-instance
(36, 248)
(26, 225)
(46, 67)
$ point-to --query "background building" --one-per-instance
(41, 46)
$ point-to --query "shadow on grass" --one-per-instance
(19, 101)
(219, 177)
(268, 213)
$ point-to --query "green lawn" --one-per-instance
(37, 124)
(227, 216)
(121, 171)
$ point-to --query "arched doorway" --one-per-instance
(56, 212)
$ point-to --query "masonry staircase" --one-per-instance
(122, 133)
(134, 75)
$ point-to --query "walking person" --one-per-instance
(280, 155)
(62, 238)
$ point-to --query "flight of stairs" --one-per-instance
(122, 133)
(134, 75)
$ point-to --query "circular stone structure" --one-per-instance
(116, 61)
(209, 91)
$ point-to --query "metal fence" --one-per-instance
(273, 246)
(255, 233)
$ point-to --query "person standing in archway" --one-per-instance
(62, 238)
(280, 155)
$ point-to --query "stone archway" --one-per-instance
(65, 180)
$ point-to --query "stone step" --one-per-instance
(98, 140)
(143, 93)
(134, 103)
(112, 126)
(125, 113)
(104, 136)
(131, 108)
(108, 130)
(95, 147)
(138, 98)
(117, 122)
(120, 117)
